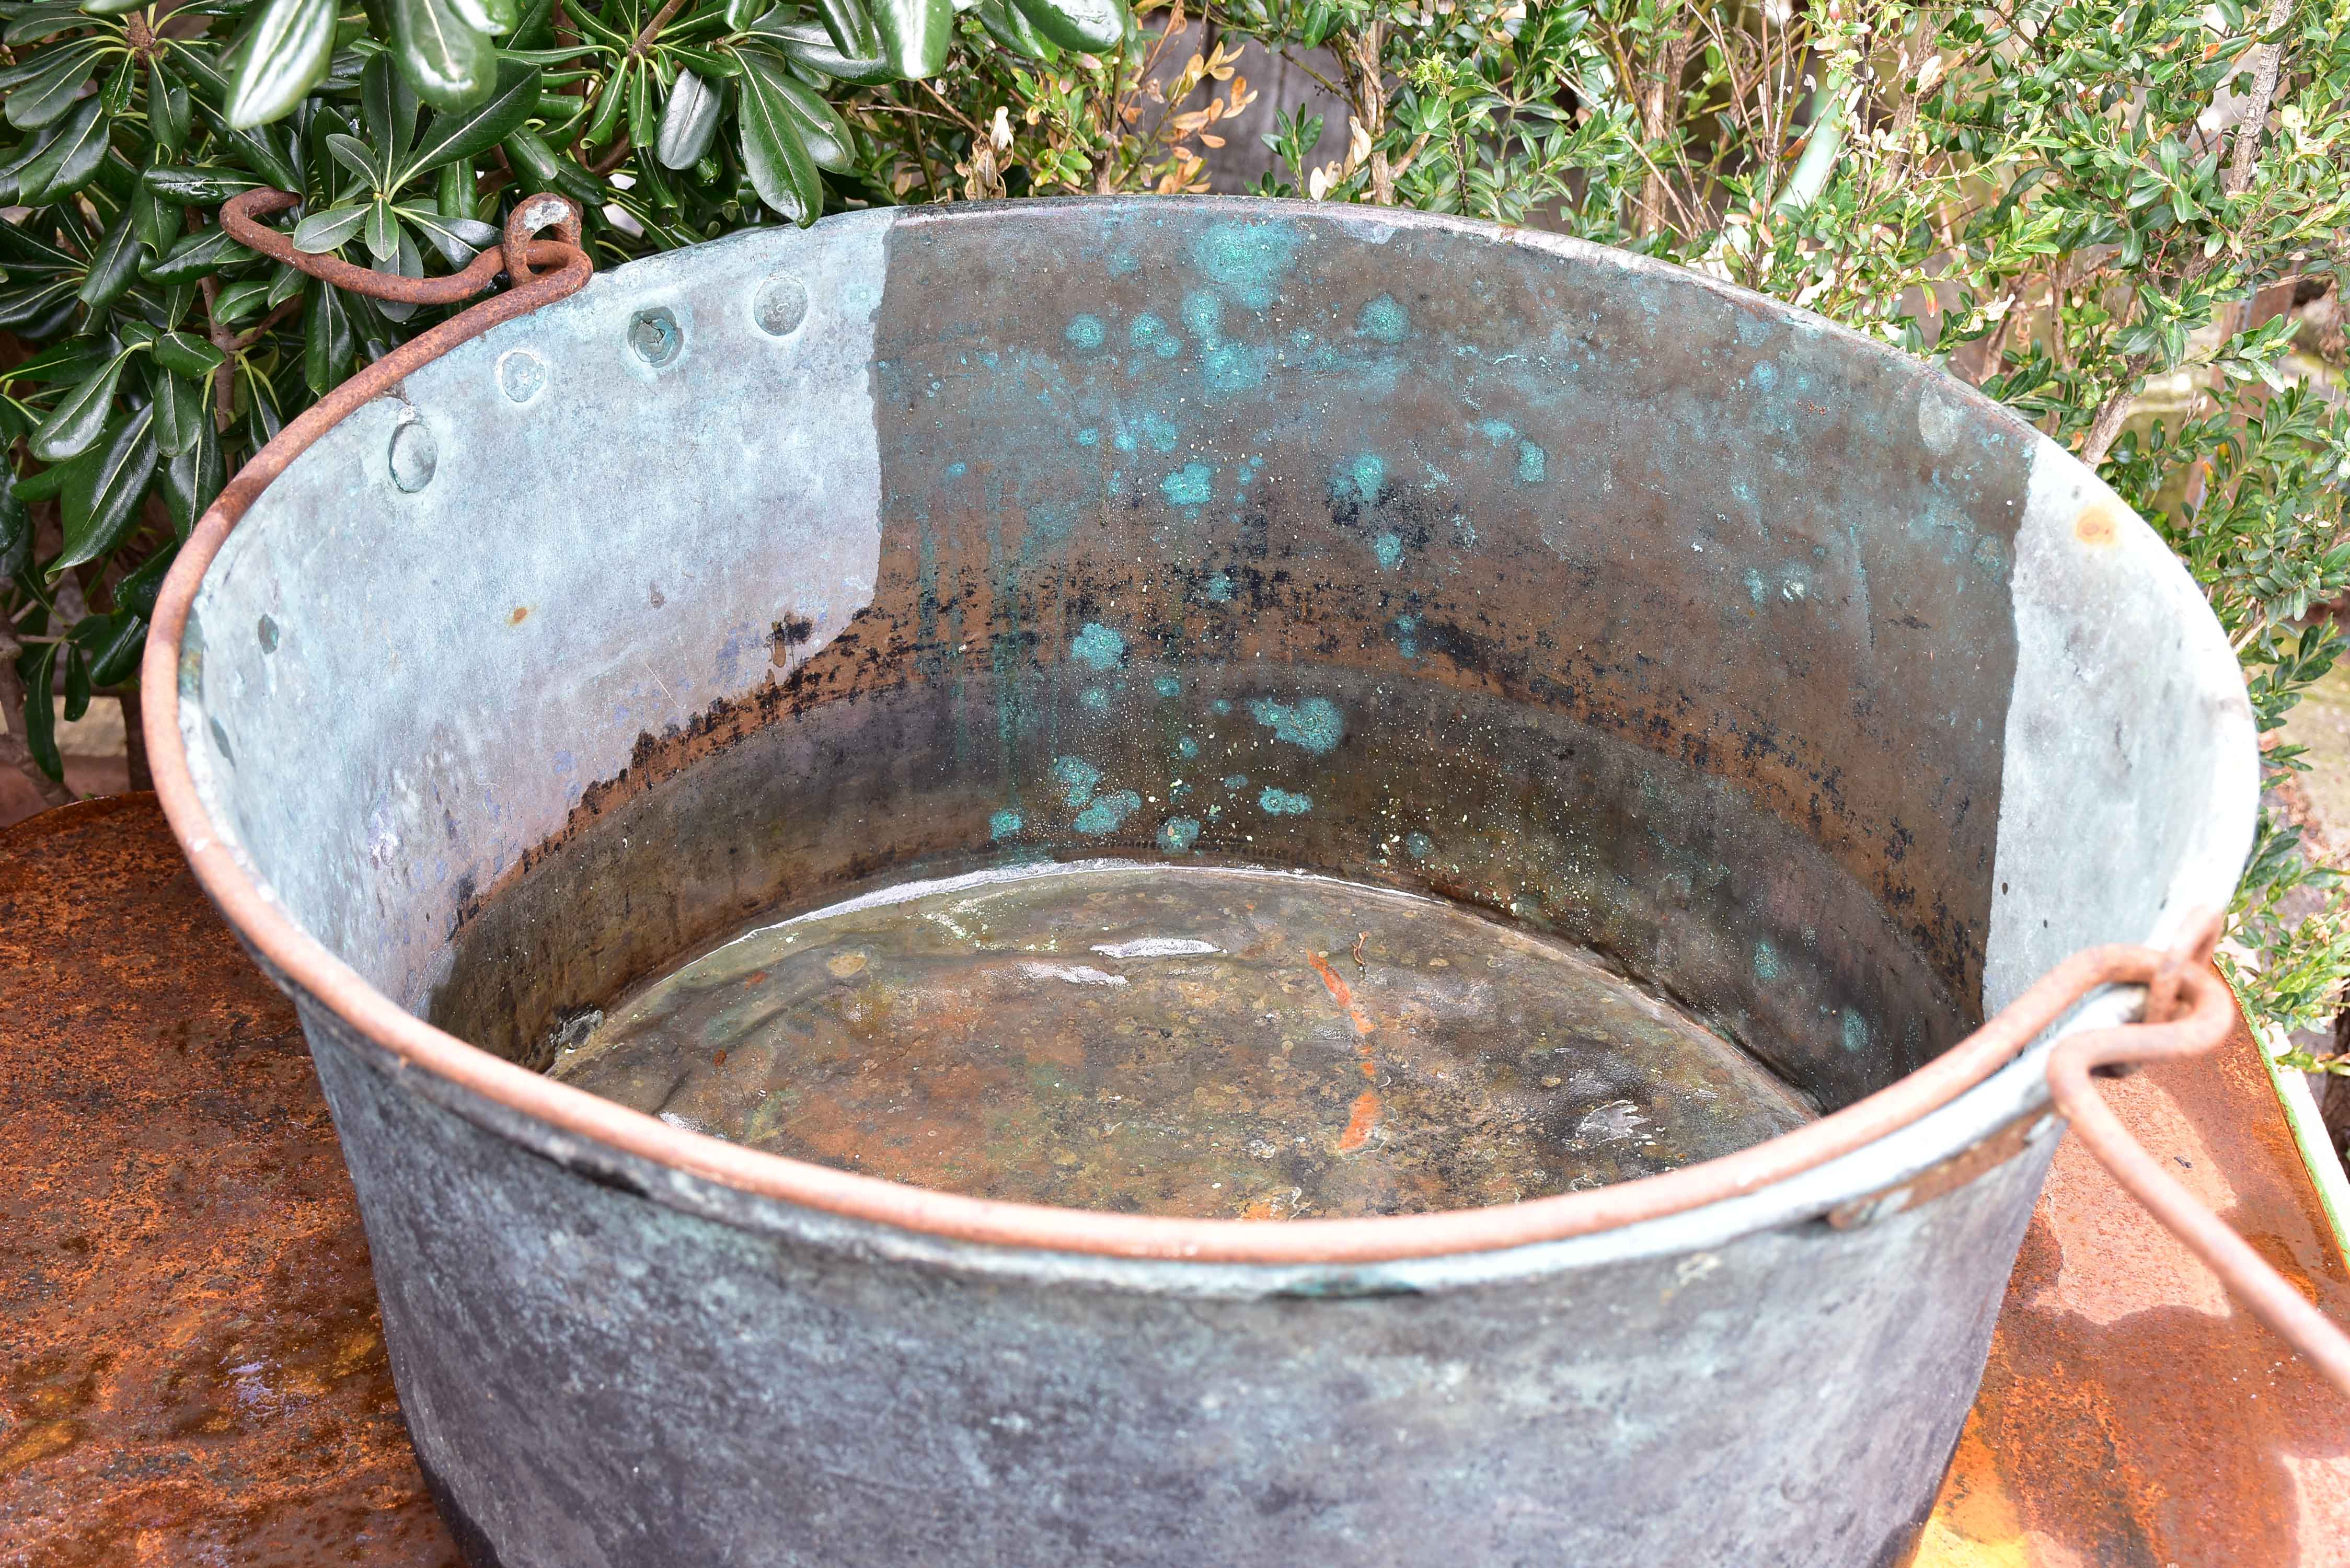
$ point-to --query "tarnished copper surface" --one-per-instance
(2132, 1415)
(191, 1369)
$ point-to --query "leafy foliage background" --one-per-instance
(2065, 202)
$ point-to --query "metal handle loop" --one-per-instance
(2184, 987)
(241, 216)
(568, 269)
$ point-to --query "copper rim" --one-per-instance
(303, 960)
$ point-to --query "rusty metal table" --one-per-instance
(191, 1369)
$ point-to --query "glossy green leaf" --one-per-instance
(458, 240)
(33, 23)
(773, 154)
(235, 301)
(99, 504)
(40, 309)
(492, 17)
(77, 421)
(452, 137)
(611, 100)
(196, 255)
(690, 122)
(540, 167)
(285, 283)
(71, 160)
(710, 65)
(119, 90)
(77, 681)
(53, 81)
(597, 29)
(264, 415)
(807, 45)
(32, 147)
(112, 644)
(1092, 26)
(15, 533)
(358, 159)
(323, 232)
(114, 265)
(61, 364)
(284, 54)
(155, 220)
(852, 28)
(643, 126)
(179, 409)
(36, 668)
(537, 28)
(112, 7)
(653, 182)
(259, 150)
(44, 485)
(741, 14)
(387, 107)
(451, 65)
(198, 187)
(191, 481)
(331, 345)
(381, 232)
(914, 35)
(170, 111)
(135, 594)
(186, 353)
(455, 197)
(1011, 28)
(824, 133)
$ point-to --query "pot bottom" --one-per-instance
(1189, 1041)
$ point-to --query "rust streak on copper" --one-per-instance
(1363, 1119)
(1338, 988)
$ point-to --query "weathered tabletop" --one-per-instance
(191, 1371)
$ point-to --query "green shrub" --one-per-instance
(2063, 201)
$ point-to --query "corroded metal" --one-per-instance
(241, 216)
(1637, 610)
(192, 1364)
(2247, 1275)
(2129, 1416)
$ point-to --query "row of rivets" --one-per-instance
(778, 308)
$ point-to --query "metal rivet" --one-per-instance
(780, 305)
(414, 455)
(655, 337)
(521, 374)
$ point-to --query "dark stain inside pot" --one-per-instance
(1182, 1041)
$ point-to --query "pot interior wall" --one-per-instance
(1626, 608)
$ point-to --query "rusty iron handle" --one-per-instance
(2172, 1028)
(241, 216)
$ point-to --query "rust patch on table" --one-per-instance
(192, 1368)
(2132, 1417)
